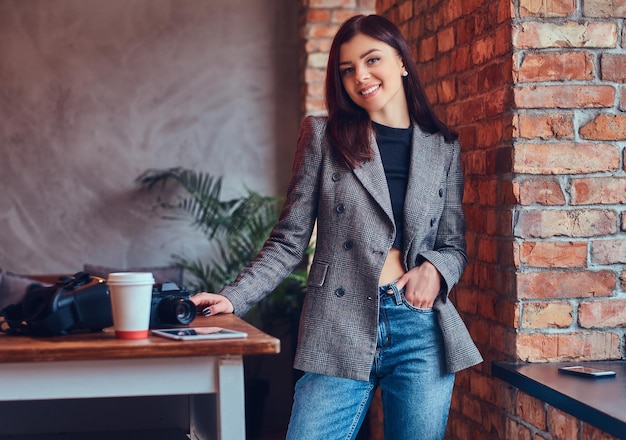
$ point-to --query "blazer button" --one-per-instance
(433, 221)
(341, 208)
(340, 292)
(440, 192)
(347, 245)
(336, 177)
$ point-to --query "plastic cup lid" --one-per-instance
(130, 278)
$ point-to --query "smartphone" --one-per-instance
(586, 371)
(198, 333)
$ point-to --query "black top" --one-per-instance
(394, 145)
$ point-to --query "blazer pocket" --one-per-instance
(317, 274)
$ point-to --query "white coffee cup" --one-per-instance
(131, 298)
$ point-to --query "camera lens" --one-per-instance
(185, 312)
(176, 310)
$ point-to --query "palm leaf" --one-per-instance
(237, 228)
(202, 203)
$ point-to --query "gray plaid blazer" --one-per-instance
(355, 230)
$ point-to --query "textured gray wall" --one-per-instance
(94, 92)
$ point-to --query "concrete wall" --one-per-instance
(92, 93)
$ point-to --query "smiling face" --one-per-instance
(371, 73)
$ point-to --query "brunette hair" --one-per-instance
(349, 126)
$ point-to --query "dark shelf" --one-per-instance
(601, 402)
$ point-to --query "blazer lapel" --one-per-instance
(423, 183)
(372, 176)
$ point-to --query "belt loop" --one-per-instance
(396, 293)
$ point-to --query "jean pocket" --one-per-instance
(411, 307)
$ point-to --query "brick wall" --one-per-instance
(535, 89)
(319, 22)
(569, 182)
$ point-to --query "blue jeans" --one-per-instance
(409, 366)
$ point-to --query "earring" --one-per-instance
(405, 73)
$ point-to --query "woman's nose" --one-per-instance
(362, 74)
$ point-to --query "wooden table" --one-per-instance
(96, 365)
(600, 402)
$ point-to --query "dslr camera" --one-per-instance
(171, 306)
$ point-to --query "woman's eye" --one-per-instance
(346, 71)
(373, 60)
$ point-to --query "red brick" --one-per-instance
(565, 158)
(558, 314)
(467, 111)
(331, 3)
(367, 4)
(565, 96)
(465, 30)
(494, 75)
(605, 127)
(471, 408)
(556, 66)
(493, 424)
(315, 89)
(604, 8)
(461, 59)
(538, 35)
(341, 15)
(590, 432)
(503, 41)
(608, 251)
(384, 5)
(622, 101)
(488, 249)
(532, 410)
(559, 285)
(493, 133)
(583, 345)
(517, 430)
(598, 190)
(566, 223)
(553, 8)
(318, 16)
(322, 31)
(562, 425)
(405, 12)
(427, 49)
(443, 65)
(317, 45)
(314, 75)
(503, 339)
(471, 5)
(602, 313)
(483, 50)
(613, 66)
(553, 254)
(467, 85)
(540, 190)
(445, 39)
(545, 125)
(498, 101)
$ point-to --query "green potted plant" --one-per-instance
(237, 229)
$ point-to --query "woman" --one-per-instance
(381, 176)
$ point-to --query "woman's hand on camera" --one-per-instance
(212, 303)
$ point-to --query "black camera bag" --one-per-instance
(77, 303)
